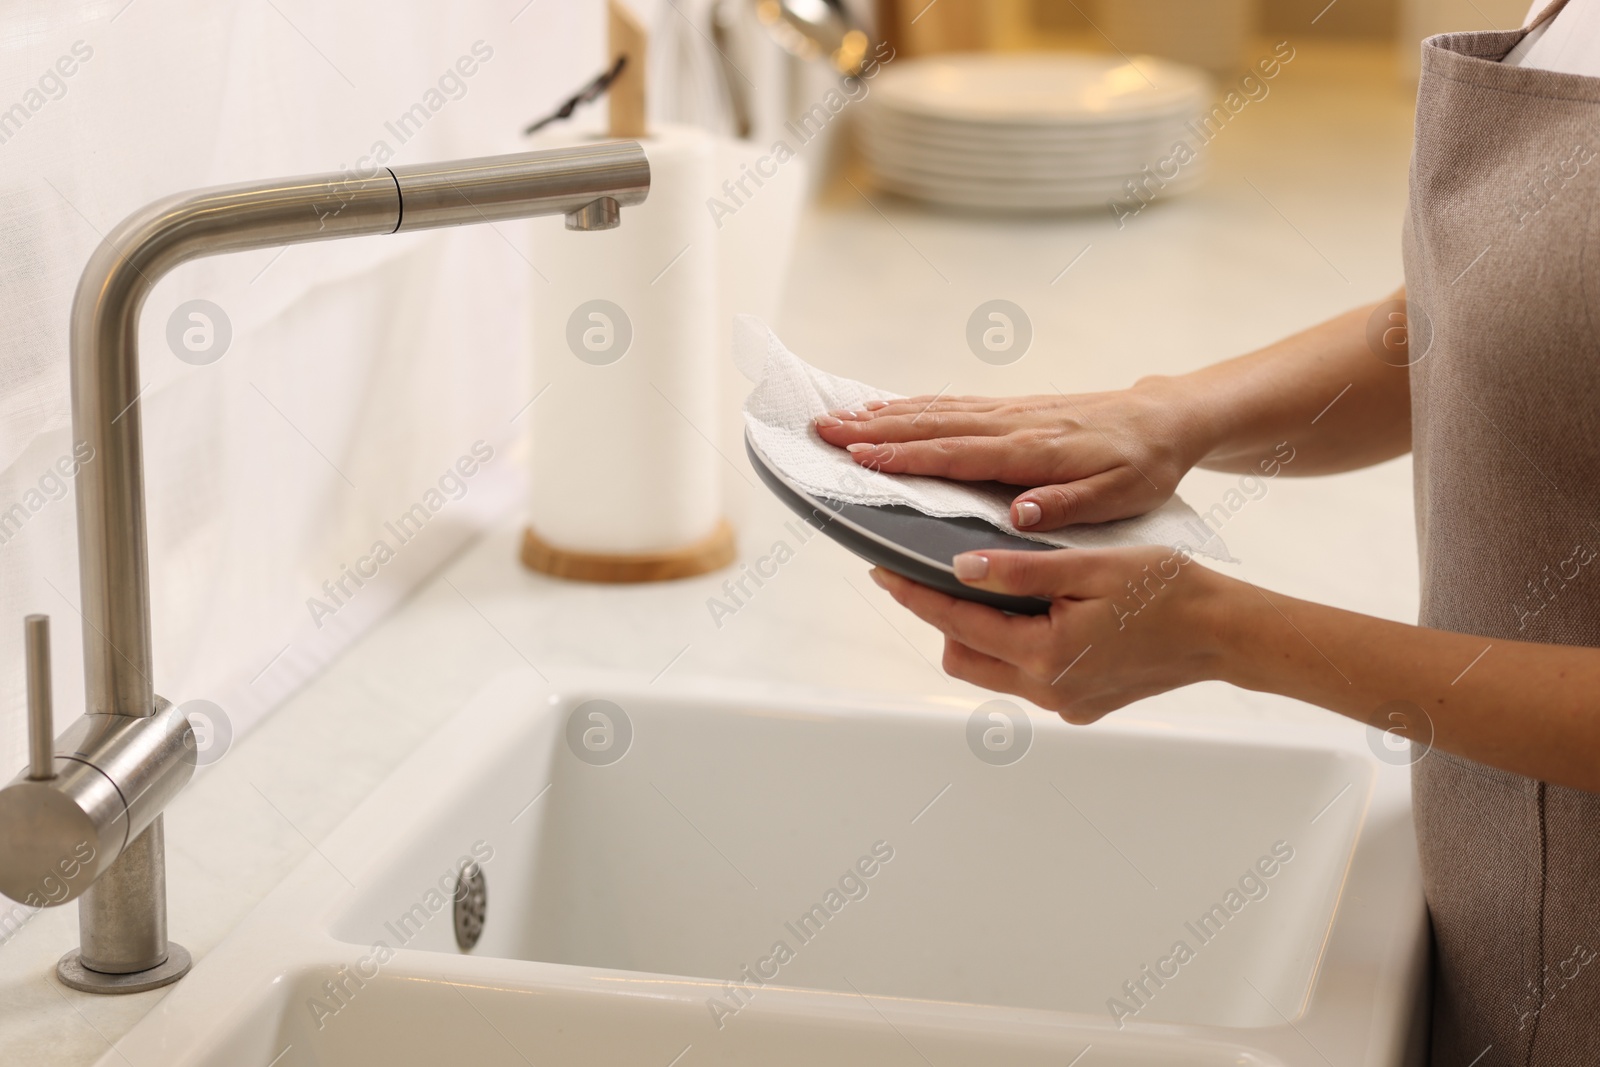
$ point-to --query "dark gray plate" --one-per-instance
(908, 542)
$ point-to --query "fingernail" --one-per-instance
(877, 405)
(847, 415)
(1029, 513)
(827, 421)
(972, 567)
(877, 578)
(860, 446)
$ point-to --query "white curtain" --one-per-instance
(359, 372)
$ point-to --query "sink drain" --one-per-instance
(471, 904)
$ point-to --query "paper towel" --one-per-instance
(624, 337)
(789, 394)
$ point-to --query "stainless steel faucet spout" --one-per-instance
(95, 808)
(150, 242)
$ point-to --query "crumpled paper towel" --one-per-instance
(790, 393)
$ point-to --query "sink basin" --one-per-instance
(727, 875)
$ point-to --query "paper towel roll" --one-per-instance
(625, 351)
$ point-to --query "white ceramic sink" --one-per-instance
(982, 912)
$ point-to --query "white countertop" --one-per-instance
(1299, 220)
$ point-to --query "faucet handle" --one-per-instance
(65, 822)
(41, 731)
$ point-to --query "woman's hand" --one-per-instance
(1088, 458)
(1126, 623)
(1104, 645)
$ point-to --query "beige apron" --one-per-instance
(1502, 257)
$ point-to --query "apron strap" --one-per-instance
(1550, 11)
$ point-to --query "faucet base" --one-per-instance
(75, 975)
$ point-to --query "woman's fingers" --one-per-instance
(914, 407)
(1102, 497)
(968, 459)
(972, 447)
(970, 665)
(1076, 573)
(1066, 467)
(1016, 639)
(908, 427)
(973, 666)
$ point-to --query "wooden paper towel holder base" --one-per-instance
(712, 552)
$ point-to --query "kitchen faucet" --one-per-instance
(83, 821)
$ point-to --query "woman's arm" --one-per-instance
(1132, 622)
(1533, 709)
(1093, 457)
(1340, 392)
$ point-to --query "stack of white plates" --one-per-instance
(1034, 132)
